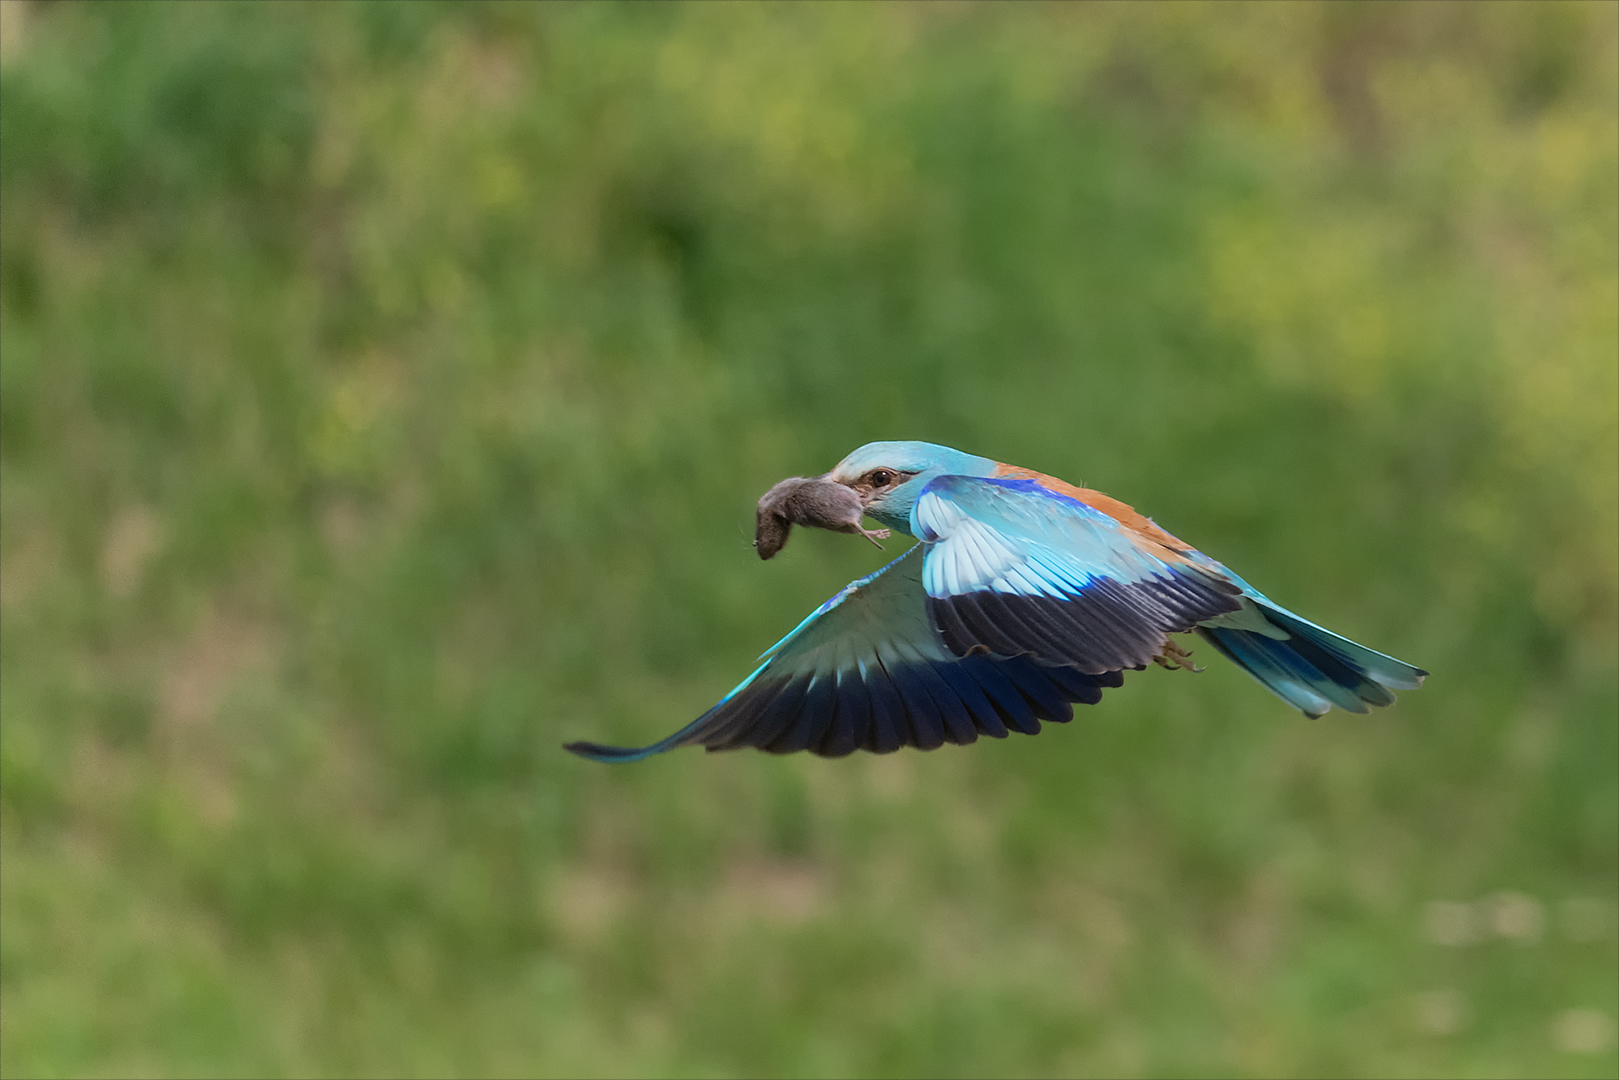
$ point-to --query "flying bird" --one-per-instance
(1025, 596)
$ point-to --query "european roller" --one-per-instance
(1024, 596)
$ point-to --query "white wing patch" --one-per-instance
(969, 555)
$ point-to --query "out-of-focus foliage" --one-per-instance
(385, 393)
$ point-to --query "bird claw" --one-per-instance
(875, 535)
(1175, 658)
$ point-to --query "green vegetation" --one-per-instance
(385, 393)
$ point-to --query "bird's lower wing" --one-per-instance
(866, 671)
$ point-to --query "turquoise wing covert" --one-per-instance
(867, 671)
(1015, 568)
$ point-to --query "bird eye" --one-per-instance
(881, 478)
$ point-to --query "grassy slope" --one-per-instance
(385, 391)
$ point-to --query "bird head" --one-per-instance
(888, 477)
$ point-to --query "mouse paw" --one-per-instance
(875, 535)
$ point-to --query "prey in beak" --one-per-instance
(813, 501)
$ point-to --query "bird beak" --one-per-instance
(864, 499)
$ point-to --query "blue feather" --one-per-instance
(1310, 667)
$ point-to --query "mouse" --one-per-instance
(811, 501)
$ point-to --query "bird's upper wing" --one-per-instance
(867, 671)
(1024, 565)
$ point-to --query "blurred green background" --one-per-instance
(386, 390)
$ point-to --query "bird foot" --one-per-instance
(875, 535)
(1175, 658)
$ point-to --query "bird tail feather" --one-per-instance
(1310, 667)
